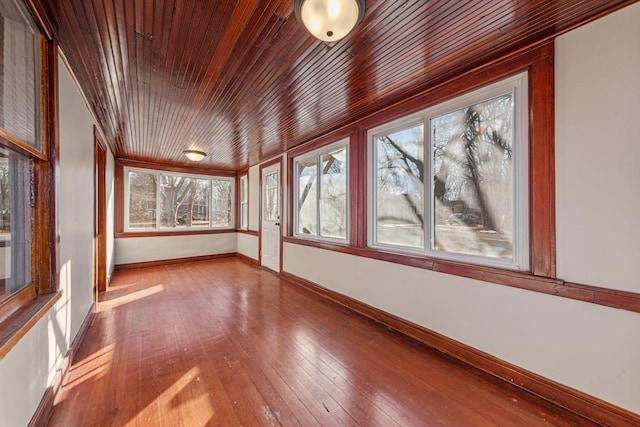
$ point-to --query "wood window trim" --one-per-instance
(347, 141)
(541, 277)
(23, 310)
(120, 164)
(240, 174)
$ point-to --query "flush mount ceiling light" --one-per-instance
(194, 155)
(329, 20)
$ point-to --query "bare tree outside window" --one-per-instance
(170, 201)
(399, 178)
(308, 197)
(222, 203)
(322, 182)
(473, 179)
(333, 194)
(142, 200)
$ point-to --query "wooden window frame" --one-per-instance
(292, 165)
(121, 164)
(242, 174)
(21, 311)
(516, 86)
(541, 273)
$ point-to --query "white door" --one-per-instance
(270, 238)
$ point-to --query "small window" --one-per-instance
(168, 201)
(460, 191)
(321, 190)
(244, 202)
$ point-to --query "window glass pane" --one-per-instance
(271, 211)
(244, 197)
(307, 197)
(15, 223)
(177, 196)
(197, 211)
(333, 194)
(222, 203)
(399, 173)
(473, 179)
(142, 200)
(20, 100)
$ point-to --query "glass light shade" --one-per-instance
(329, 20)
(194, 155)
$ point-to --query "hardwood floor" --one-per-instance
(222, 343)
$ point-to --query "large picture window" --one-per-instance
(157, 200)
(321, 190)
(459, 190)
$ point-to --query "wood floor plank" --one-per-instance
(222, 343)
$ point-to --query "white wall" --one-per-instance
(598, 152)
(142, 249)
(589, 347)
(585, 346)
(29, 368)
(248, 245)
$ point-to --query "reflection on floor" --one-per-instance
(224, 343)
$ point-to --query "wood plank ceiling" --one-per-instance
(242, 81)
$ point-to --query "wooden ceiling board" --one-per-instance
(243, 81)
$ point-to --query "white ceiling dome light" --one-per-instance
(329, 20)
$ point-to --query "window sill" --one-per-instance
(517, 279)
(182, 232)
(22, 320)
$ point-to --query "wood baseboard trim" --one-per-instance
(162, 262)
(247, 259)
(45, 408)
(589, 407)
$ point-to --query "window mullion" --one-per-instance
(158, 195)
(318, 194)
(427, 187)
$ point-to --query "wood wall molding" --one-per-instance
(41, 417)
(587, 406)
(161, 262)
(178, 232)
(587, 293)
(249, 232)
